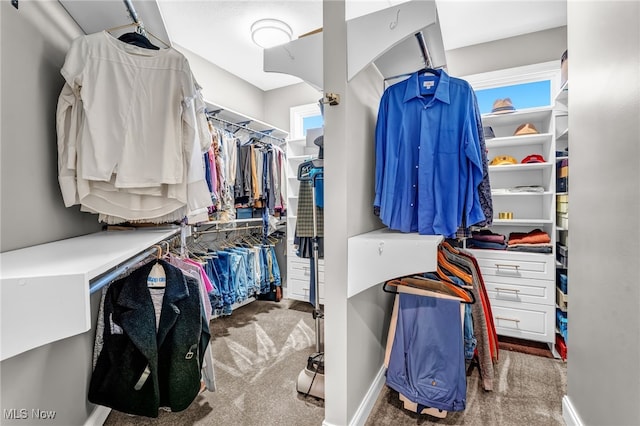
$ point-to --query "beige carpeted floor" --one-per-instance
(528, 391)
(259, 351)
(261, 348)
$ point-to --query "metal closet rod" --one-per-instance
(132, 11)
(243, 125)
(124, 267)
(423, 48)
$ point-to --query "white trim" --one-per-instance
(98, 416)
(296, 118)
(369, 400)
(569, 413)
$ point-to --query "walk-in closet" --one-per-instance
(328, 213)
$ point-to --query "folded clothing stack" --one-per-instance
(536, 241)
(486, 239)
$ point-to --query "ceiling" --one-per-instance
(219, 30)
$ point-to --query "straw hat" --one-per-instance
(502, 106)
(526, 129)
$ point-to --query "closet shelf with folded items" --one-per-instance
(516, 254)
(442, 322)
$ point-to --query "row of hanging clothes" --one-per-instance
(238, 268)
(245, 173)
(441, 327)
(152, 347)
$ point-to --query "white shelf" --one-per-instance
(45, 288)
(517, 117)
(520, 167)
(520, 194)
(381, 255)
(563, 136)
(523, 140)
(518, 222)
(563, 95)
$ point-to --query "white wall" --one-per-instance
(277, 103)
(35, 39)
(225, 89)
(533, 48)
(604, 198)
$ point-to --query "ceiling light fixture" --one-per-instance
(270, 32)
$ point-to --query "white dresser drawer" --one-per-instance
(524, 320)
(293, 257)
(515, 264)
(299, 289)
(302, 270)
(521, 290)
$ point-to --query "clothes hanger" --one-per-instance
(431, 285)
(140, 30)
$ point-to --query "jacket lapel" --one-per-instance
(138, 320)
(175, 291)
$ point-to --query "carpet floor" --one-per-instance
(261, 348)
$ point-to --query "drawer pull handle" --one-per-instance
(514, 290)
(508, 319)
(502, 265)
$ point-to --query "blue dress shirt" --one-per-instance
(428, 155)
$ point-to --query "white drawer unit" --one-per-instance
(524, 320)
(299, 276)
(521, 288)
(515, 264)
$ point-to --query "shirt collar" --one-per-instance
(413, 88)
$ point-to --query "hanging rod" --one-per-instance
(121, 269)
(134, 17)
(244, 125)
(425, 54)
(424, 50)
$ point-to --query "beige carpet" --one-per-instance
(528, 391)
(259, 351)
(262, 347)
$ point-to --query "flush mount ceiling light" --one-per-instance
(270, 32)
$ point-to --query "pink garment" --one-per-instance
(205, 279)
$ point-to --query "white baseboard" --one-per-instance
(362, 414)
(369, 400)
(98, 416)
(569, 414)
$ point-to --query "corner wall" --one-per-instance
(35, 39)
(603, 374)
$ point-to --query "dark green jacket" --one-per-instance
(139, 370)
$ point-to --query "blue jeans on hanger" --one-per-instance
(223, 265)
(240, 279)
(275, 269)
(264, 272)
(215, 296)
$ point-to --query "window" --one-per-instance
(528, 87)
(304, 117)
